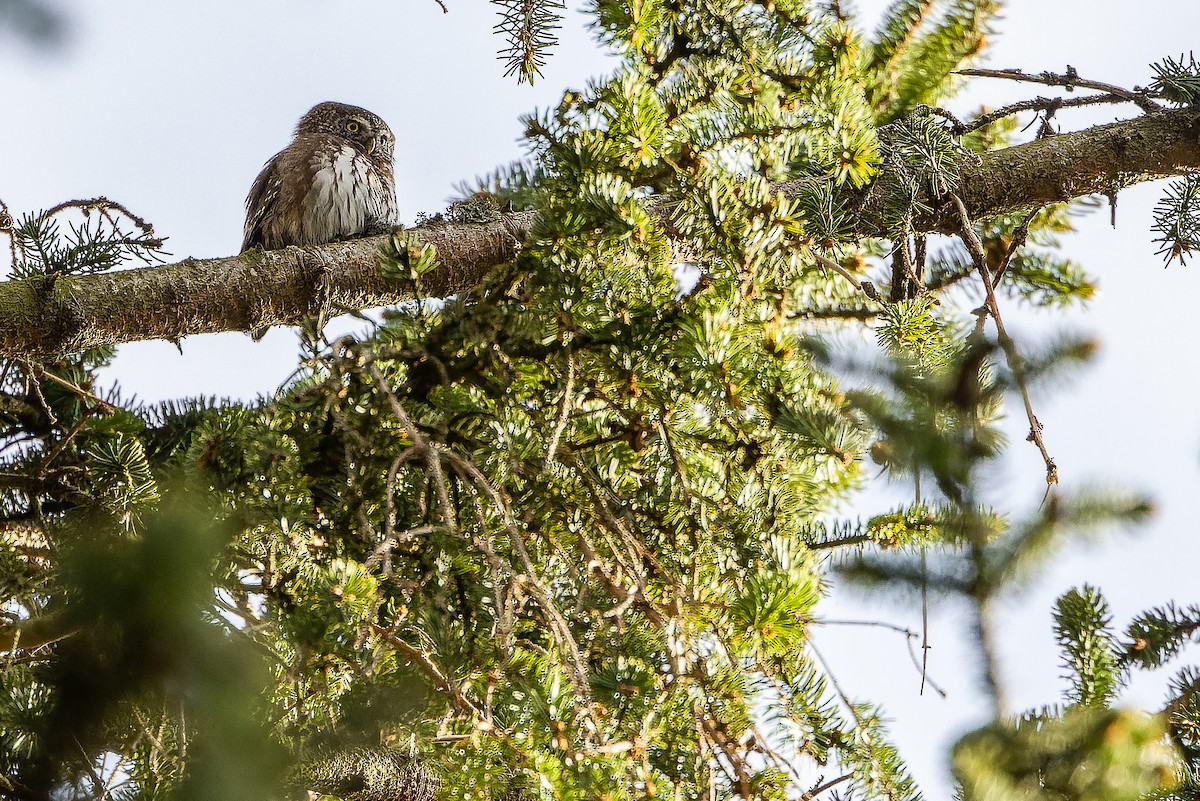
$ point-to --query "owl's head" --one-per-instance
(355, 125)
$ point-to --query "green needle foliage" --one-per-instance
(1177, 220)
(1178, 81)
(1081, 624)
(1084, 753)
(80, 237)
(566, 535)
(528, 29)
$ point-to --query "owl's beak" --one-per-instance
(370, 147)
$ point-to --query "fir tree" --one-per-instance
(564, 534)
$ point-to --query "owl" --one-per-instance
(334, 181)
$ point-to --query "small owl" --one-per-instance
(334, 181)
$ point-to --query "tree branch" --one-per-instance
(49, 316)
(1057, 168)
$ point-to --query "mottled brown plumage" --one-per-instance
(334, 181)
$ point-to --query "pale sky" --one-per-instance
(172, 108)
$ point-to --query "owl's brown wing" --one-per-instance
(262, 206)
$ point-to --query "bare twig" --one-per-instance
(530, 578)
(564, 408)
(925, 646)
(910, 637)
(425, 663)
(1069, 80)
(431, 454)
(389, 518)
(1018, 239)
(1010, 349)
(821, 787)
(39, 373)
(1035, 104)
(866, 287)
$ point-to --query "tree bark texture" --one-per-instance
(44, 317)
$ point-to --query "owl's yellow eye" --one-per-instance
(352, 126)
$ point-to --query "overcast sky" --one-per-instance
(172, 108)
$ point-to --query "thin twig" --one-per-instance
(83, 420)
(865, 287)
(909, 637)
(1018, 239)
(530, 579)
(1010, 349)
(830, 264)
(432, 459)
(925, 646)
(560, 424)
(38, 372)
(423, 661)
(906, 282)
(389, 518)
(1036, 104)
(812, 793)
(1069, 80)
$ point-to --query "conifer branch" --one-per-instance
(45, 316)
(65, 314)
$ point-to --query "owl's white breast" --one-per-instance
(347, 197)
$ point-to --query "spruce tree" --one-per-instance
(563, 534)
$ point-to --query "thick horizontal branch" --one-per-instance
(45, 317)
(1101, 160)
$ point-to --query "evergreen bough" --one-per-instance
(566, 535)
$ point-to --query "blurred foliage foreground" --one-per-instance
(565, 536)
